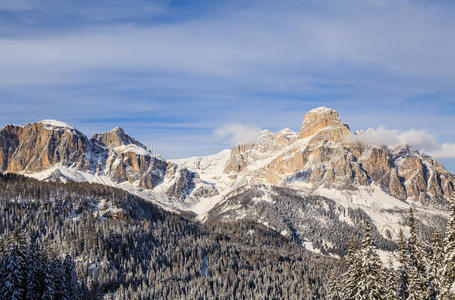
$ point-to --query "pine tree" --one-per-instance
(14, 273)
(391, 282)
(448, 270)
(333, 288)
(33, 272)
(435, 266)
(417, 287)
(351, 277)
(403, 269)
(48, 280)
(2, 266)
(371, 283)
(70, 279)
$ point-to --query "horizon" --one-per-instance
(193, 77)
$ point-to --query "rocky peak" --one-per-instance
(54, 124)
(37, 146)
(325, 121)
(115, 138)
(322, 156)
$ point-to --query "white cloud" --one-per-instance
(421, 140)
(240, 45)
(445, 151)
(239, 133)
(380, 136)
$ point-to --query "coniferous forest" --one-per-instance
(88, 241)
(423, 269)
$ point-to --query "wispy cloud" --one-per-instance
(239, 133)
(418, 139)
(205, 63)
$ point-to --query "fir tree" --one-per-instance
(435, 266)
(333, 288)
(70, 279)
(417, 286)
(403, 269)
(14, 271)
(33, 272)
(371, 283)
(391, 282)
(351, 277)
(448, 270)
(48, 279)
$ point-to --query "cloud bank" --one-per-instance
(421, 140)
(239, 133)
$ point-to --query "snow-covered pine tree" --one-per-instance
(390, 282)
(417, 285)
(350, 279)
(2, 266)
(333, 288)
(48, 280)
(371, 282)
(14, 271)
(435, 266)
(70, 279)
(403, 269)
(33, 277)
(57, 269)
(448, 269)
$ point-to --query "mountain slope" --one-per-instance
(323, 164)
(287, 180)
(128, 248)
(53, 150)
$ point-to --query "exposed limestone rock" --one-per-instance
(394, 185)
(239, 158)
(116, 137)
(323, 154)
(41, 146)
(325, 122)
(9, 141)
(38, 146)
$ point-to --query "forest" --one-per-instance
(89, 241)
(424, 269)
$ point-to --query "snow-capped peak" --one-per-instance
(321, 109)
(55, 123)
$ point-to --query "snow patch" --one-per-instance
(309, 246)
(55, 124)
(132, 148)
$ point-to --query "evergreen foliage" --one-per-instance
(22, 271)
(448, 269)
(128, 248)
(424, 272)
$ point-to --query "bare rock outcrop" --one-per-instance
(325, 154)
(38, 146)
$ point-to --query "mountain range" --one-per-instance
(316, 184)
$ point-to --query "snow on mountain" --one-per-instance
(318, 182)
(55, 124)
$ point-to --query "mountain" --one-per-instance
(315, 184)
(53, 150)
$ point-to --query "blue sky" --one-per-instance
(173, 72)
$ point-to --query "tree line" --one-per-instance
(124, 247)
(423, 270)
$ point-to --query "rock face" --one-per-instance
(325, 122)
(323, 154)
(115, 155)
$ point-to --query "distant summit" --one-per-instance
(279, 180)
